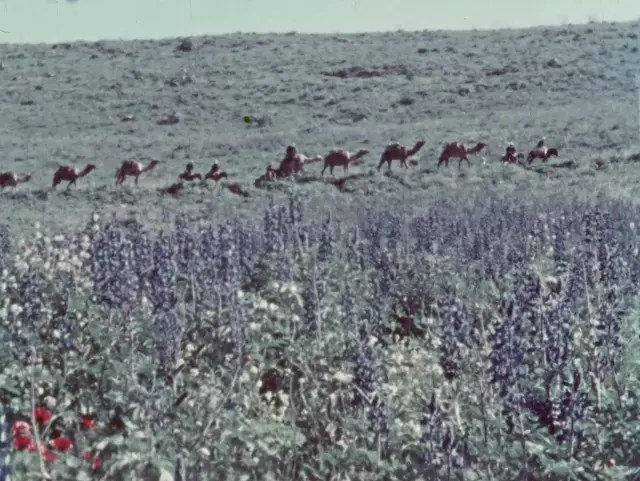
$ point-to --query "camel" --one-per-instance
(70, 174)
(511, 156)
(133, 169)
(293, 162)
(541, 153)
(10, 179)
(188, 174)
(341, 157)
(460, 150)
(396, 151)
(272, 173)
(215, 174)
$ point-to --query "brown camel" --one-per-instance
(133, 169)
(396, 151)
(215, 174)
(10, 179)
(511, 156)
(460, 150)
(293, 162)
(70, 174)
(541, 153)
(188, 173)
(272, 173)
(336, 158)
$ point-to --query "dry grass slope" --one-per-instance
(104, 102)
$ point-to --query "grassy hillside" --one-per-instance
(474, 324)
(576, 85)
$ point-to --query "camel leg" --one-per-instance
(380, 163)
(467, 159)
(443, 161)
(136, 180)
(325, 168)
(331, 170)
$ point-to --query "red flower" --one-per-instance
(46, 454)
(22, 442)
(62, 444)
(97, 461)
(87, 422)
(21, 428)
(42, 415)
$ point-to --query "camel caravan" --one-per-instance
(292, 164)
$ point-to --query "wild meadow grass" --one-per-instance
(481, 338)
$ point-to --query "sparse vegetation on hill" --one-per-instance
(380, 324)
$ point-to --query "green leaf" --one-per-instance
(561, 468)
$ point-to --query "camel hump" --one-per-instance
(393, 144)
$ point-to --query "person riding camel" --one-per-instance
(510, 154)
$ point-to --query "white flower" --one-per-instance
(204, 452)
(59, 238)
(273, 307)
(15, 309)
(263, 304)
(64, 266)
(343, 377)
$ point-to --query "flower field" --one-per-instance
(480, 338)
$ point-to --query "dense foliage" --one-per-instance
(482, 338)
